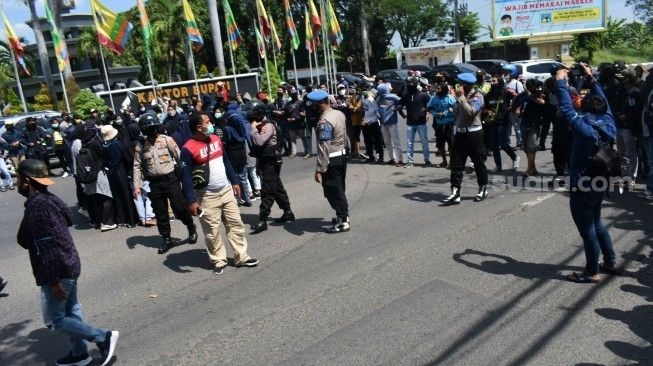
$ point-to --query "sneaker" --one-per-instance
(252, 262)
(246, 204)
(481, 195)
(307, 156)
(149, 223)
(104, 227)
(399, 164)
(259, 227)
(334, 220)
(338, 227)
(648, 195)
(257, 194)
(252, 198)
(108, 346)
(192, 235)
(409, 165)
(3, 284)
(287, 216)
(3, 189)
(64, 175)
(70, 360)
(217, 270)
(452, 199)
(428, 163)
(515, 163)
(12, 187)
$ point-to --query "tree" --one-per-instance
(416, 20)
(469, 25)
(203, 70)
(40, 43)
(87, 100)
(43, 99)
(13, 102)
(275, 79)
(594, 41)
(72, 88)
(643, 9)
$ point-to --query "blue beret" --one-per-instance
(467, 78)
(317, 95)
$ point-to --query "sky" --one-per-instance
(19, 13)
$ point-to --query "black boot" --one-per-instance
(259, 227)
(287, 216)
(481, 195)
(453, 199)
(192, 234)
(166, 245)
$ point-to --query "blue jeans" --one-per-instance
(586, 212)
(144, 204)
(244, 184)
(5, 172)
(66, 316)
(422, 131)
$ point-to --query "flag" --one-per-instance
(233, 33)
(290, 23)
(145, 24)
(333, 28)
(315, 19)
(309, 32)
(112, 29)
(191, 26)
(60, 49)
(275, 37)
(263, 18)
(15, 45)
(260, 43)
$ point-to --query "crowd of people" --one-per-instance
(209, 156)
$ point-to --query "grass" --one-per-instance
(630, 55)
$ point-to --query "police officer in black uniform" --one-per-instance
(266, 149)
(155, 161)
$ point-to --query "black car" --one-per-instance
(454, 69)
(490, 66)
(396, 78)
(354, 80)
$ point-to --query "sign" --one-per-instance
(528, 18)
(182, 90)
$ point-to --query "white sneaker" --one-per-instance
(64, 175)
(515, 163)
(104, 227)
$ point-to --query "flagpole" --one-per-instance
(274, 57)
(65, 93)
(106, 75)
(149, 67)
(18, 83)
(260, 28)
(294, 65)
(325, 40)
(317, 64)
(231, 49)
(192, 60)
(310, 67)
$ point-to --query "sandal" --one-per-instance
(612, 269)
(581, 278)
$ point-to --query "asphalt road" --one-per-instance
(412, 283)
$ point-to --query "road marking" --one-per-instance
(538, 200)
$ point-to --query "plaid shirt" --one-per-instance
(44, 232)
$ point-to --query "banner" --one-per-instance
(60, 49)
(113, 29)
(528, 18)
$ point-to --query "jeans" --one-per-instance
(649, 150)
(143, 203)
(515, 121)
(244, 183)
(6, 176)
(586, 212)
(66, 316)
(423, 136)
(500, 140)
(392, 141)
(298, 134)
(309, 139)
(256, 180)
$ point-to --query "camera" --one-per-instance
(576, 70)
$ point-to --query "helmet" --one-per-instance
(510, 69)
(147, 120)
(254, 108)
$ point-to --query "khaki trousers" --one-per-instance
(221, 207)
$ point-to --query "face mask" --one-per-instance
(210, 129)
(218, 115)
(118, 122)
(419, 88)
(280, 95)
(341, 92)
(55, 125)
(172, 113)
(31, 126)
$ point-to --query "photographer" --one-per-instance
(595, 125)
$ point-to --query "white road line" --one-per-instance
(538, 200)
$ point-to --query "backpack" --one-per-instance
(606, 162)
(87, 167)
(57, 138)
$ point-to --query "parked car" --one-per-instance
(490, 66)
(396, 78)
(535, 69)
(454, 69)
(365, 77)
(354, 80)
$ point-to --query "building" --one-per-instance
(87, 72)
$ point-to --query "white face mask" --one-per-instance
(172, 113)
(419, 88)
(341, 92)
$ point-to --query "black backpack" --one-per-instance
(606, 162)
(87, 166)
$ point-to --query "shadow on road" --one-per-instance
(40, 347)
(153, 241)
(194, 258)
(302, 226)
(425, 196)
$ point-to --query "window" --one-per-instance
(543, 68)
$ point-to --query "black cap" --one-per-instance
(555, 67)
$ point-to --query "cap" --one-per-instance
(293, 90)
(341, 86)
(317, 95)
(108, 132)
(30, 119)
(467, 78)
(555, 67)
(93, 110)
(36, 170)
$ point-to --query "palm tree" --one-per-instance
(88, 46)
(170, 42)
(40, 44)
(217, 36)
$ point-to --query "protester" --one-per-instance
(415, 102)
(531, 107)
(495, 118)
(36, 138)
(56, 265)
(215, 202)
(355, 110)
(235, 137)
(296, 120)
(7, 182)
(372, 129)
(441, 107)
(114, 165)
(15, 149)
(594, 126)
(60, 145)
(512, 88)
(388, 104)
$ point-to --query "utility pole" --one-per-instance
(456, 23)
(366, 43)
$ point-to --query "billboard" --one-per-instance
(528, 18)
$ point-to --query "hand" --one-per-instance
(137, 192)
(587, 69)
(561, 74)
(460, 91)
(58, 292)
(237, 191)
(318, 177)
(256, 124)
(194, 209)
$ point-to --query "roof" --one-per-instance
(435, 46)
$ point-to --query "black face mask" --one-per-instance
(31, 126)
(411, 88)
(595, 104)
(280, 95)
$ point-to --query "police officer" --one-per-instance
(468, 140)
(331, 168)
(266, 149)
(155, 160)
(36, 139)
